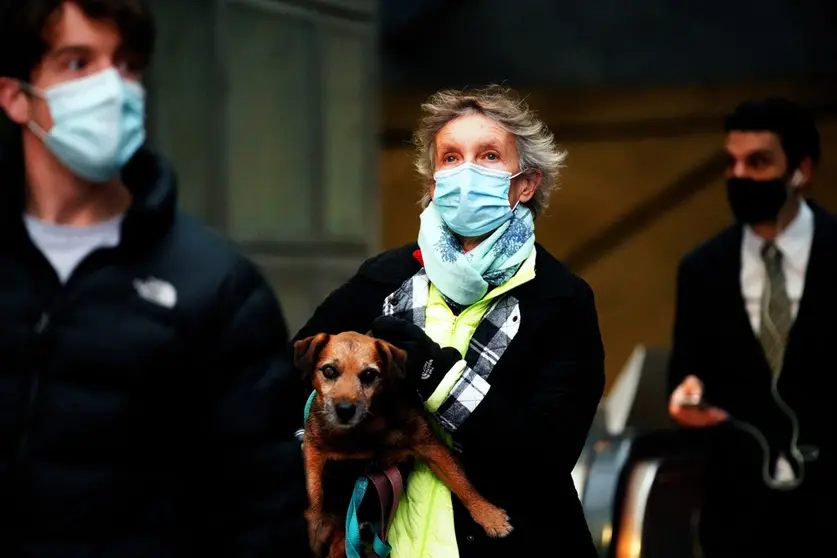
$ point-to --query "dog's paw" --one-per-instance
(320, 530)
(494, 521)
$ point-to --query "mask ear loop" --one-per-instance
(796, 179)
(512, 177)
(37, 130)
(30, 91)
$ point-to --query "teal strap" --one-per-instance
(308, 406)
(354, 545)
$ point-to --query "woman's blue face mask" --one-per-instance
(473, 200)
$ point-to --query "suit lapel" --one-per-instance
(729, 277)
(818, 276)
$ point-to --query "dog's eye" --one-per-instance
(368, 376)
(329, 372)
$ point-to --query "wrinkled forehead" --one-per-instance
(351, 350)
(473, 132)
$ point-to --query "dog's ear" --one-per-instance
(393, 359)
(306, 352)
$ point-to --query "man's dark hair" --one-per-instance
(793, 124)
(26, 27)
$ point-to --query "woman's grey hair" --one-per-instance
(535, 143)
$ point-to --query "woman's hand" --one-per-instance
(427, 361)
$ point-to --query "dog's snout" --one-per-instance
(345, 411)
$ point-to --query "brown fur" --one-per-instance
(389, 426)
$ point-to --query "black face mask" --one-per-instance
(754, 202)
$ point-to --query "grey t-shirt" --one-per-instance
(66, 246)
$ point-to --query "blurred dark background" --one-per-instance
(289, 122)
(604, 43)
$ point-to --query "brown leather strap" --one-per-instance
(394, 476)
(389, 485)
(384, 490)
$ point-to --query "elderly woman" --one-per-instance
(518, 406)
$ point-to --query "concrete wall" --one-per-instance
(625, 148)
(268, 111)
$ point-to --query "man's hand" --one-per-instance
(686, 407)
(427, 361)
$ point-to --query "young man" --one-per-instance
(753, 344)
(146, 405)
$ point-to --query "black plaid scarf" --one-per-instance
(491, 338)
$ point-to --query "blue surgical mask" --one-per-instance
(98, 123)
(473, 200)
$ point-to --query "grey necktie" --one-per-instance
(776, 317)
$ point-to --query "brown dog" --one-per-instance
(363, 409)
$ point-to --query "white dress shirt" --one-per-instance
(795, 245)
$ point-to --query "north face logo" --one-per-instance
(427, 369)
(157, 291)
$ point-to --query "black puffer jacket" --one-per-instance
(130, 428)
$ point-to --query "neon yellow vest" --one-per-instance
(423, 525)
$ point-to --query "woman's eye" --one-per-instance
(491, 156)
(450, 159)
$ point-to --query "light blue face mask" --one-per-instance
(98, 123)
(473, 200)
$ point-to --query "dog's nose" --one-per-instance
(345, 411)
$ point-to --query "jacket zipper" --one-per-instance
(40, 329)
(40, 348)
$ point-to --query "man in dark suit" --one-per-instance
(755, 327)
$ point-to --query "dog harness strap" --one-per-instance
(354, 543)
(393, 474)
(308, 406)
(300, 433)
(384, 489)
(389, 485)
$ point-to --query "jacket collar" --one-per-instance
(147, 176)
(824, 233)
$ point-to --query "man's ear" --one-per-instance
(13, 101)
(803, 174)
(393, 359)
(307, 351)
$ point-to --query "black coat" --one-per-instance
(128, 429)
(521, 443)
(714, 341)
